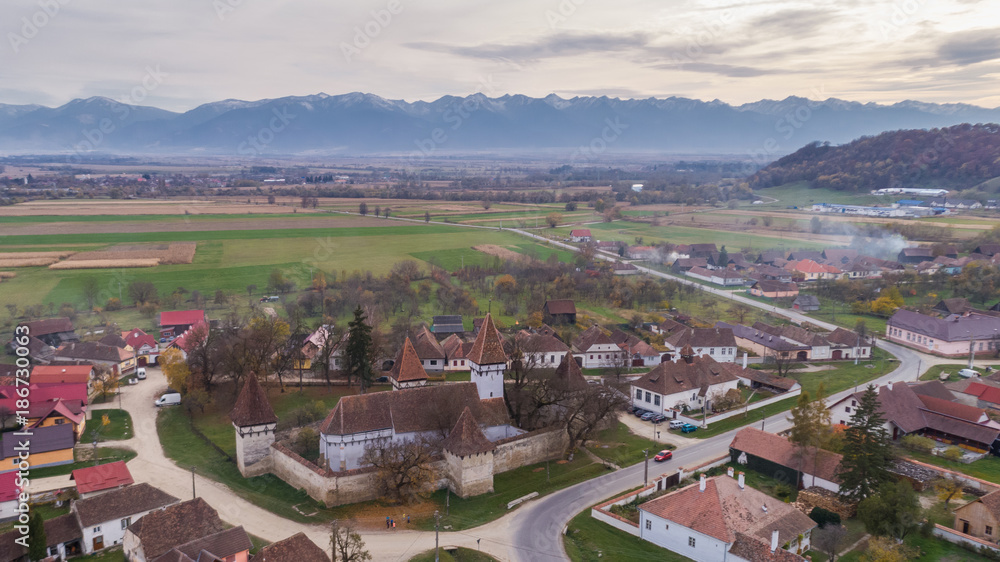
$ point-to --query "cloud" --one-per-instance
(970, 47)
(793, 23)
(553, 46)
(732, 71)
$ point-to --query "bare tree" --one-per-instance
(829, 539)
(346, 542)
(404, 471)
(588, 408)
(782, 362)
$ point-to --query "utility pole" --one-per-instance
(645, 470)
(447, 502)
(857, 345)
(546, 471)
(193, 493)
(437, 524)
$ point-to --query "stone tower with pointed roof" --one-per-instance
(407, 371)
(469, 457)
(488, 361)
(255, 421)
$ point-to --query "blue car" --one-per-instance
(688, 428)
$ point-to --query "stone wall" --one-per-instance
(529, 448)
(819, 497)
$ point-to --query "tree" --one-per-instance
(829, 539)
(385, 213)
(815, 225)
(404, 468)
(867, 450)
(587, 408)
(553, 219)
(346, 543)
(37, 542)
(91, 289)
(105, 382)
(947, 488)
(176, 369)
(723, 258)
(739, 311)
(306, 443)
(378, 211)
(358, 351)
(884, 549)
(570, 206)
(203, 355)
(363, 208)
(250, 289)
(142, 292)
(427, 216)
(892, 512)
(810, 422)
(197, 399)
(487, 203)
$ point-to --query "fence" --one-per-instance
(740, 411)
(969, 541)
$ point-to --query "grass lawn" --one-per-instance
(784, 491)
(454, 555)
(119, 426)
(622, 447)
(934, 371)
(510, 485)
(986, 469)
(799, 194)
(931, 550)
(46, 510)
(114, 555)
(627, 232)
(104, 455)
(590, 540)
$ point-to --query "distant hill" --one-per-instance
(574, 129)
(958, 157)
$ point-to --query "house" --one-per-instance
(684, 385)
(296, 548)
(771, 273)
(914, 255)
(848, 344)
(718, 343)
(722, 519)
(10, 493)
(702, 250)
(105, 518)
(47, 374)
(806, 303)
(47, 413)
(773, 289)
(812, 467)
(724, 277)
(668, 327)
(115, 359)
(430, 352)
(623, 268)
(771, 256)
(765, 344)
(456, 350)
(957, 305)
(559, 312)
(311, 346)
(799, 255)
(863, 267)
(175, 322)
(683, 265)
(595, 349)
(580, 235)
(49, 446)
(980, 517)
(767, 382)
(954, 336)
(985, 394)
(641, 253)
(95, 480)
(839, 257)
(62, 540)
(143, 345)
(988, 250)
(538, 350)
(809, 270)
(181, 532)
(640, 352)
(407, 370)
(907, 412)
(447, 324)
(52, 331)
(819, 346)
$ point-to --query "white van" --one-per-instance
(170, 398)
(967, 373)
(140, 373)
(676, 424)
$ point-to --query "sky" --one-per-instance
(178, 54)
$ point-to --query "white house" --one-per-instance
(684, 384)
(724, 277)
(540, 350)
(105, 518)
(431, 354)
(718, 343)
(595, 349)
(721, 519)
(580, 235)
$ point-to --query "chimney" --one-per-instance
(744, 360)
(742, 480)
(730, 472)
(774, 540)
(888, 385)
(702, 482)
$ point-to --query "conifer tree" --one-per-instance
(867, 450)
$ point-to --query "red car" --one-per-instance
(663, 456)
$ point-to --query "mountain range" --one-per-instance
(579, 128)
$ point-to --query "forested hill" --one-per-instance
(958, 157)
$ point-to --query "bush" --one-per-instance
(783, 491)
(953, 453)
(918, 443)
(824, 517)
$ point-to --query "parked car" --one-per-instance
(688, 428)
(382, 379)
(967, 373)
(140, 373)
(659, 418)
(677, 424)
(663, 455)
(169, 398)
(647, 416)
(639, 412)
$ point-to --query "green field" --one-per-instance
(628, 231)
(799, 194)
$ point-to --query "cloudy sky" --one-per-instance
(177, 54)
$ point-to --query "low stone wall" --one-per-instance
(951, 535)
(820, 497)
(969, 481)
(529, 448)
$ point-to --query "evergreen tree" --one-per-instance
(357, 356)
(37, 543)
(867, 450)
(723, 258)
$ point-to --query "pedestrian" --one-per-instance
(386, 521)
(407, 519)
(393, 524)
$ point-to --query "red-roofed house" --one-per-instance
(580, 235)
(810, 270)
(58, 412)
(9, 492)
(985, 396)
(95, 480)
(176, 322)
(57, 374)
(143, 345)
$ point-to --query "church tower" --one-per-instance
(488, 361)
(254, 420)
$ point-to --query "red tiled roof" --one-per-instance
(466, 438)
(426, 345)
(8, 490)
(101, 477)
(296, 548)
(568, 375)
(181, 317)
(137, 338)
(592, 336)
(779, 450)
(407, 366)
(953, 409)
(488, 347)
(580, 232)
(252, 407)
(61, 373)
(985, 393)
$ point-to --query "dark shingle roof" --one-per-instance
(568, 375)
(426, 345)
(758, 336)
(592, 336)
(564, 306)
(702, 372)
(488, 347)
(62, 529)
(49, 326)
(93, 351)
(162, 530)
(703, 337)
(121, 503)
(955, 328)
(447, 324)
(296, 548)
(222, 544)
(252, 407)
(43, 440)
(466, 438)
